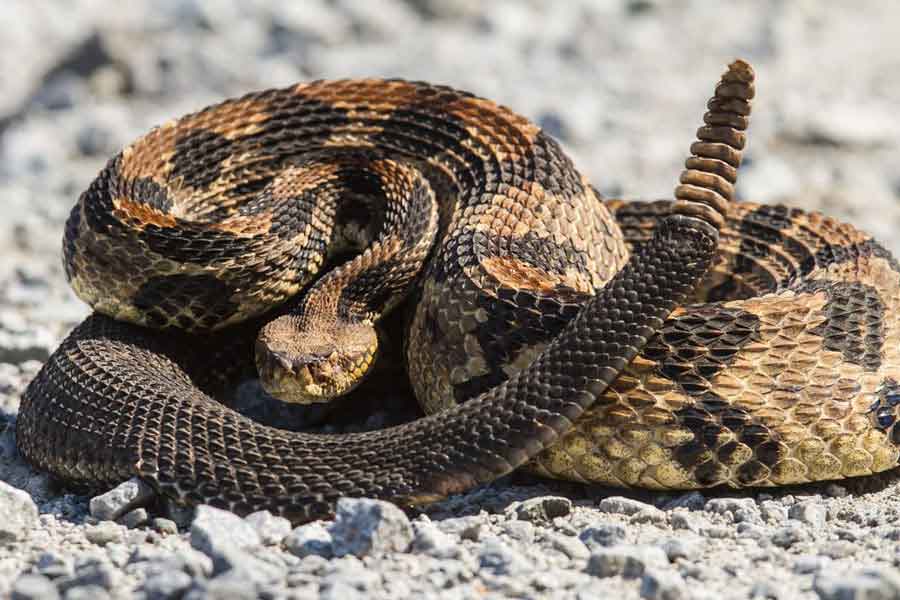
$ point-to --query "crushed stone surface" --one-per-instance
(623, 85)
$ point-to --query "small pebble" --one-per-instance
(602, 535)
(521, 531)
(134, 518)
(430, 540)
(34, 587)
(626, 561)
(365, 527)
(222, 536)
(838, 549)
(163, 586)
(53, 565)
(623, 506)
(691, 500)
(739, 509)
(121, 499)
(271, 529)
(807, 563)
(18, 514)
(500, 559)
(811, 513)
(466, 528)
(543, 509)
(682, 547)
(684, 520)
(868, 584)
(310, 539)
(663, 585)
(835, 490)
(773, 512)
(650, 515)
(572, 547)
(87, 592)
(785, 537)
(91, 572)
(164, 526)
(103, 533)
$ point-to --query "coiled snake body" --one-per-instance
(672, 344)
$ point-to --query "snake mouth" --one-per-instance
(311, 378)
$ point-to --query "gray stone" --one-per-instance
(227, 586)
(466, 528)
(682, 547)
(164, 526)
(835, 490)
(521, 531)
(541, 510)
(501, 559)
(623, 506)
(752, 531)
(838, 549)
(663, 585)
(86, 592)
(104, 533)
(868, 584)
(351, 571)
(787, 536)
(91, 572)
(151, 560)
(121, 499)
(261, 567)
(340, 590)
(18, 514)
(118, 554)
(764, 590)
(685, 520)
(34, 587)
(625, 561)
(739, 509)
(272, 529)
(718, 532)
(54, 566)
(691, 500)
(572, 547)
(773, 512)
(135, 518)
(811, 513)
(310, 539)
(365, 527)
(649, 515)
(602, 535)
(810, 563)
(223, 536)
(432, 541)
(162, 586)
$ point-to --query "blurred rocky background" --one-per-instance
(623, 85)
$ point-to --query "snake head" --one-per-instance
(306, 364)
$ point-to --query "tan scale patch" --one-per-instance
(514, 274)
(142, 214)
(812, 399)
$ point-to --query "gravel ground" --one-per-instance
(623, 85)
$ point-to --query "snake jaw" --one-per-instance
(306, 367)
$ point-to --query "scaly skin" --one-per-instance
(550, 320)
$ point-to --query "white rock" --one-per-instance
(121, 499)
(18, 514)
(365, 527)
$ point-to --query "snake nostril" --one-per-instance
(285, 361)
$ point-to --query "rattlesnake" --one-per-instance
(671, 344)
